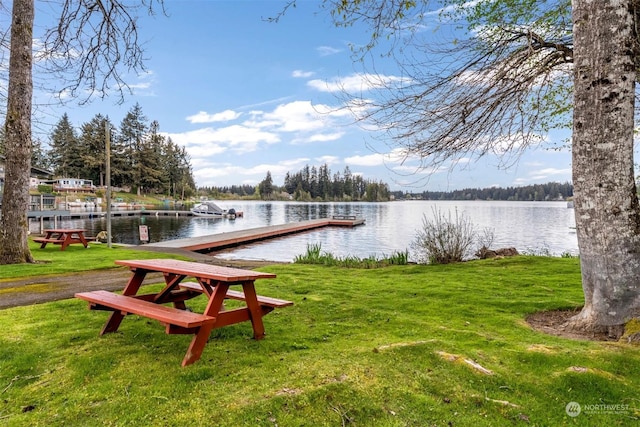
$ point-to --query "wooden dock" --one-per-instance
(66, 214)
(215, 242)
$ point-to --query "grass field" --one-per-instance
(397, 346)
(75, 258)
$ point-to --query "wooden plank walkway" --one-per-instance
(49, 214)
(214, 242)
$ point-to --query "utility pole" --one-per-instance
(108, 178)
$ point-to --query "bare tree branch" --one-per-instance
(94, 44)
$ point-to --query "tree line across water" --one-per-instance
(536, 192)
(305, 186)
(311, 183)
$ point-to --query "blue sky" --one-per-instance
(246, 96)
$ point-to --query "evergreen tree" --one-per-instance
(289, 183)
(266, 187)
(324, 182)
(133, 130)
(153, 177)
(348, 183)
(39, 158)
(92, 150)
(178, 171)
(64, 149)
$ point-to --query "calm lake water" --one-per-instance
(390, 227)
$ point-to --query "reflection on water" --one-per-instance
(390, 227)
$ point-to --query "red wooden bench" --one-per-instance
(105, 300)
(43, 240)
(238, 295)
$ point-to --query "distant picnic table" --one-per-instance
(63, 237)
(212, 281)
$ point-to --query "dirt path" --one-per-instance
(40, 289)
(35, 290)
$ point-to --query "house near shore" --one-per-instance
(36, 176)
(71, 185)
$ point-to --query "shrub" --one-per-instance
(444, 239)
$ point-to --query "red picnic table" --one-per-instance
(63, 237)
(212, 281)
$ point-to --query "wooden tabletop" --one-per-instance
(196, 269)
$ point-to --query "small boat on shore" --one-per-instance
(209, 209)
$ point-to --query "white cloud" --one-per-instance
(267, 102)
(202, 151)
(511, 143)
(238, 135)
(395, 156)
(209, 141)
(297, 116)
(307, 122)
(302, 74)
(548, 173)
(327, 50)
(143, 83)
(544, 175)
(359, 82)
(297, 121)
(294, 162)
(375, 159)
(329, 160)
(319, 137)
(208, 172)
(427, 170)
(204, 117)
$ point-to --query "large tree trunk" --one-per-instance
(606, 203)
(15, 202)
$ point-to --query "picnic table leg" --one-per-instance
(83, 240)
(255, 311)
(66, 241)
(199, 341)
(113, 323)
(46, 236)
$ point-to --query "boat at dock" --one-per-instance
(209, 209)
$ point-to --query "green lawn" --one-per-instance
(75, 258)
(374, 347)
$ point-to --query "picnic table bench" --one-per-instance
(63, 237)
(212, 281)
(105, 300)
(267, 303)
